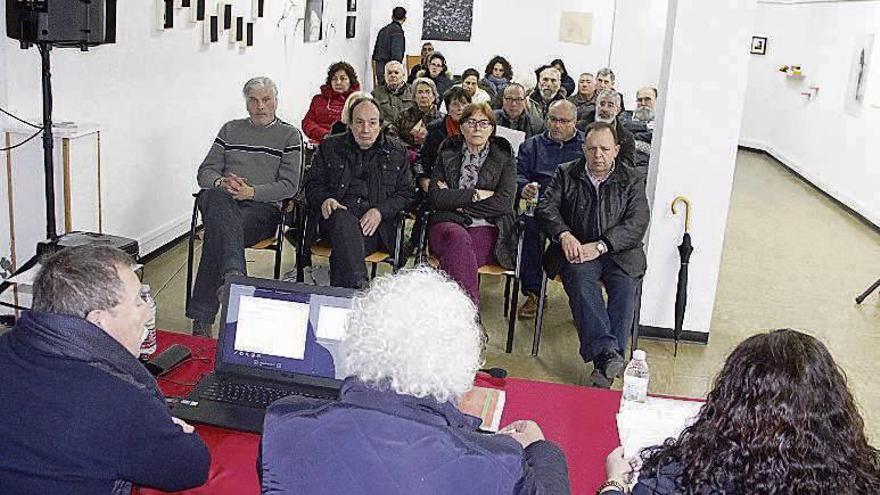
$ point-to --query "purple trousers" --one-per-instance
(462, 251)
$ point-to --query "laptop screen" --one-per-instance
(284, 327)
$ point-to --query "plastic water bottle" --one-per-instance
(636, 377)
(531, 203)
(148, 346)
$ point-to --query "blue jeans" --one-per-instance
(230, 226)
(600, 329)
(532, 255)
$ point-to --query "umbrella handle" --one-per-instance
(687, 211)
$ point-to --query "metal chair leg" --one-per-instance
(634, 332)
(190, 255)
(539, 317)
(511, 320)
(507, 295)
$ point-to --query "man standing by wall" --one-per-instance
(78, 412)
(596, 212)
(390, 43)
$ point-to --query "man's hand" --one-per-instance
(589, 252)
(237, 187)
(484, 194)
(571, 247)
(424, 182)
(186, 427)
(530, 190)
(370, 221)
(526, 432)
(329, 206)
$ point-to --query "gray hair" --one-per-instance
(392, 63)
(513, 84)
(591, 75)
(606, 72)
(353, 101)
(257, 83)
(426, 81)
(609, 94)
(79, 280)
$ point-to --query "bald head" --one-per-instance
(561, 120)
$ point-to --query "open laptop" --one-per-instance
(276, 339)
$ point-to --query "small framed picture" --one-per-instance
(352, 5)
(350, 23)
(759, 45)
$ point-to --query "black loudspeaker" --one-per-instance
(64, 23)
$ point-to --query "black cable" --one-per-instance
(23, 142)
(25, 122)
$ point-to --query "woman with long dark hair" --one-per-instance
(497, 75)
(779, 420)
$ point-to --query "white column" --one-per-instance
(702, 92)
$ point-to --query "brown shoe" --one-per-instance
(529, 309)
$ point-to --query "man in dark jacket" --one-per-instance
(536, 165)
(585, 98)
(412, 349)
(641, 124)
(513, 114)
(548, 90)
(359, 181)
(608, 109)
(78, 412)
(596, 212)
(390, 43)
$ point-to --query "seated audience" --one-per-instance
(326, 106)
(605, 80)
(496, 77)
(537, 161)
(641, 124)
(470, 82)
(596, 213)
(547, 91)
(438, 72)
(395, 95)
(390, 44)
(253, 164)
(78, 412)
(779, 419)
(454, 100)
(585, 98)
(608, 105)
(427, 50)
(513, 114)
(565, 80)
(396, 429)
(412, 129)
(426, 97)
(358, 183)
(473, 184)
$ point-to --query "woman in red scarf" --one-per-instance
(326, 107)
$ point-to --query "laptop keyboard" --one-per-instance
(249, 394)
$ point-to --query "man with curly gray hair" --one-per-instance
(412, 349)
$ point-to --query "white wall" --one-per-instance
(160, 98)
(699, 112)
(524, 32)
(831, 148)
(637, 45)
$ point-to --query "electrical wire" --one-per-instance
(25, 122)
(23, 142)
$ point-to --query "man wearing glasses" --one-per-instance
(537, 161)
(513, 114)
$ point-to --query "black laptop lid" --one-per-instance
(284, 329)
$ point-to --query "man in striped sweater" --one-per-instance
(253, 164)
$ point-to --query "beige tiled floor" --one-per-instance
(792, 258)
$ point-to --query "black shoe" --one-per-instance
(202, 328)
(607, 367)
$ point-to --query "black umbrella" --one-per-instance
(684, 250)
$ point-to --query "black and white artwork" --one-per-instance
(350, 25)
(759, 45)
(352, 5)
(448, 20)
(858, 74)
(314, 29)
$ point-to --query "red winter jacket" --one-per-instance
(325, 110)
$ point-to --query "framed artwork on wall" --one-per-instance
(314, 19)
(350, 23)
(352, 5)
(759, 45)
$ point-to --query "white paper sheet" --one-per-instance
(642, 425)
(514, 137)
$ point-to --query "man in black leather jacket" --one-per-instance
(596, 212)
(359, 180)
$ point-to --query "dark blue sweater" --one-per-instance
(68, 427)
(539, 156)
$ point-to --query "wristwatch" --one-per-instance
(601, 247)
(615, 484)
(217, 181)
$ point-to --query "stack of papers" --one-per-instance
(646, 424)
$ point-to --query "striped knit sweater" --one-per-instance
(268, 158)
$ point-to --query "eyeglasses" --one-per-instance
(510, 99)
(557, 120)
(478, 124)
(432, 64)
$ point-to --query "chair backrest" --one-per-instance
(412, 61)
